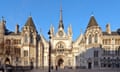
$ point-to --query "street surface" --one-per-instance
(77, 70)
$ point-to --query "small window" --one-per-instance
(25, 53)
(95, 53)
(8, 41)
(95, 63)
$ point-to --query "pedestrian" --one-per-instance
(56, 67)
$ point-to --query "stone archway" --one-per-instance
(7, 61)
(60, 63)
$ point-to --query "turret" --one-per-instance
(52, 30)
(93, 32)
(2, 30)
(2, 27)
(17, 29)
(29, 31)
(108, 30)
(70, 30)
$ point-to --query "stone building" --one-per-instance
(93, 49)
(18, 48)
(97, 48)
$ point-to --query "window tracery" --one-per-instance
(60, 47)
(90, 39)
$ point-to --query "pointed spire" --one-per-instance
(92, 22)
(61, 13)
(70, 30)
(61, 10)
(52, 29)
(61, 19)
(30, 23)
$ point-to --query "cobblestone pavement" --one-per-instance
(77, 70)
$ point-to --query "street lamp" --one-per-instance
(49, 66)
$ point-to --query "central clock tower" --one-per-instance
(61, 45)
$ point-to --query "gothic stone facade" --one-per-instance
(18, 48)
(93, 49)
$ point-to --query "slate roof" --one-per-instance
(13, 33)
(30, 23)
(112, 33)
(92, 22)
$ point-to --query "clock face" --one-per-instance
(60, 33)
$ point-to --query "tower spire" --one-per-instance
(61, 18)
(61, 10)
(60, 14)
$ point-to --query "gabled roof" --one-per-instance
(79, 39)
(92, 22)
(30, 23)
(43, 39)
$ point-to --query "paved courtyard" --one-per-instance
(77, 70)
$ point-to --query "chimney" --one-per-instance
(17, 29)
(108, 30)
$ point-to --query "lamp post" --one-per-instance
(49, 66)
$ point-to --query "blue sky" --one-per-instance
(75, 12)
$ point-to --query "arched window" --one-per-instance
(90, 39)
(26, 38)
(31, 39)
(96, 38)
(60, 47)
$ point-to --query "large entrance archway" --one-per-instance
(7, 61)
(60, 63)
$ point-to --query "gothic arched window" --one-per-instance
(96, 38)
(31, 39)
(60, 47)
(90, 39)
